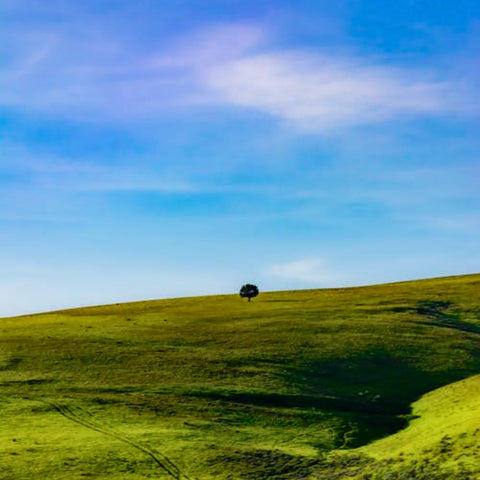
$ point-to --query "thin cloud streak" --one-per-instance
(466, 224)
(231, 66)
(57, 173)
(58, 73)
(309, 270)
(318, 92)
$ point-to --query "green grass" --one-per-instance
(291, 385)
(447, 420)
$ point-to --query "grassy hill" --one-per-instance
(291, 385)
(446, 427)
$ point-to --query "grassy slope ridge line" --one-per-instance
(229, 389)
(448, 417)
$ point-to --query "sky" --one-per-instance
(168, 148)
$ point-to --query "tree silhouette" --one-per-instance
(249, 291)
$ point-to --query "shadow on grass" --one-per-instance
(33, 381)
(442, 313)
(371, 391)
(357, 422)
(372, 381)
(276, 400)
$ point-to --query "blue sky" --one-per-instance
(171, 148)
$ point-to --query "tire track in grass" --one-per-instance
(161, 460)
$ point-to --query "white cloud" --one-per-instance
(307, 270)
(319, 92)
(57, 71)
(80, 75)
(205, 47)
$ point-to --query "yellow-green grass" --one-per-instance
(220, 388)
(446, 428)
(442, 441)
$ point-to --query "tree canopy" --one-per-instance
(249, 291)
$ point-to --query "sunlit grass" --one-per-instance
(448, 426)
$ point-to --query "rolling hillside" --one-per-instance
(293, 385)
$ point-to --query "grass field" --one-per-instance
(293, 385)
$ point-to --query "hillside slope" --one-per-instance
(447, 423)
(216, 387)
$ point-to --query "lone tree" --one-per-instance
(248, 290)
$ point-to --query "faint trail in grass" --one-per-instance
(161, 460)
(347, 436)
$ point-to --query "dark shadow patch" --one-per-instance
(374, 388)
(442, 312)
(374, 379)
(432, 308)
(268, 464)
(275, 400)
(363, 420)
(12, 363)
(33, 381)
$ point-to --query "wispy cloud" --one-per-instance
(308, 270)
(76, 75)
(462, 223)
(320, 92)
(230, 65)
(58, 174)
